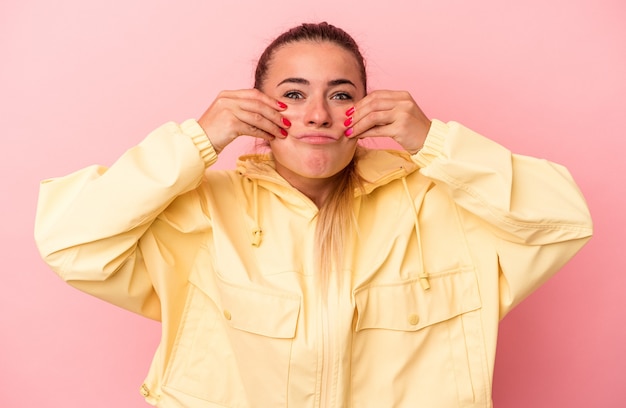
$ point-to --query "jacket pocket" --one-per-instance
(234, 343)
(257, 311)
(427, 342)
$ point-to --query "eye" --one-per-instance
(293, 95)
(342, 96)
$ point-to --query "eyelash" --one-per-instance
(291, 94)
(343, 96)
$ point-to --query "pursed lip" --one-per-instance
(317, 138)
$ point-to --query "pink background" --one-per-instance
(81, 81)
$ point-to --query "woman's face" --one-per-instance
(319, 81)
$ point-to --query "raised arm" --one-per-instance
(95, 227)
(533, 212)
(89, 223)
(532, 208)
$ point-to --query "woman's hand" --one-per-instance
(245, 112)
(389, 114)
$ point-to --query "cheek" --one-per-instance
(282, 148)
(293, 114)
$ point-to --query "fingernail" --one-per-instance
(281, 105)
(286, 122)
(348, 122)
(283, 132)
(350, 111)
(348, 132)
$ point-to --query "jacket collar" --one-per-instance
(376, 167)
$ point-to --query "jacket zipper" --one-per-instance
(327, 359)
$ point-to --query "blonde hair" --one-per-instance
(336, 224)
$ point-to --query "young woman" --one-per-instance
(321, 273)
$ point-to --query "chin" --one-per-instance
(316, 167)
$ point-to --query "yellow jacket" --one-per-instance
(449, 240)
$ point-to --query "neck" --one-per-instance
(317, 190)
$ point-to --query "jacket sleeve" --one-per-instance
(88, 224)
(531, 207)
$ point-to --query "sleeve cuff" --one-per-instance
(192, 129)
(433, 145)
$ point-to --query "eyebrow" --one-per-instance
(302, 81)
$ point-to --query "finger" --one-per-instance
(375, 97)
(407, 130)
(377, 131)
(257, 115)
(370, 120)
(380, 108)
(256, 132)
(254, 94)
(368, 112)
(261, 106)
(383, 100)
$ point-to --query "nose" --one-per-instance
(318, 113)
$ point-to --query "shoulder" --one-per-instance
(374, 164)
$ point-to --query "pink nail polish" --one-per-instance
(281, 105)
(350, 111)
(286, 122)
(283, 132)
(349, 132)
(348, 122)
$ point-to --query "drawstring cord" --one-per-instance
(256, 231)
(423, 275)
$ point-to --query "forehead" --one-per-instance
(313, 60)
